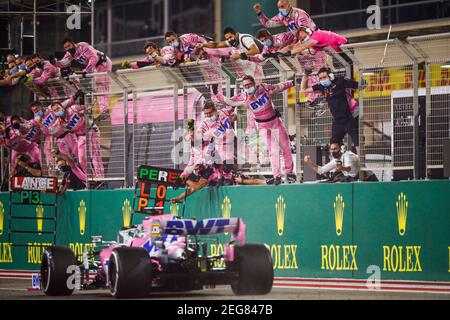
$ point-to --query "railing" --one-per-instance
(147, 107)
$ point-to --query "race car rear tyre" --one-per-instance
(254, 264)
(129, 273)
(55, 271)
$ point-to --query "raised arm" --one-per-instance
(235, 101)
(213, 44)
(266, 22)
(304, 85)
(277, 88)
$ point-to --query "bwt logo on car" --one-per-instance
(260, 102)
(191, 227)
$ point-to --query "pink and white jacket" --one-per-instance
(16, 141)
(74, 119)
(260, 104)
(327, 38)
(189, 41)
(221, 130)
(296, 19)
(49, 71)
(280, 40)
(85, 54)
(169, 55)
(147, 59)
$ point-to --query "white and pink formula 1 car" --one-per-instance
(164, 253)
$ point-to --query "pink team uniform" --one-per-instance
(298, 18)
(17, 142)
(88, 56)
(40, 76)
(280, 40)
(75, 123)
(270, 127)
(327, 38)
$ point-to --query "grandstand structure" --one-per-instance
(149, 105)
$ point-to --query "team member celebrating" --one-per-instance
(245, 45)
(316, 40)
(185, 45)
(73, 120)
(94, 60)
(43, 70)
(48, 122)
(258, 100)
(153, 58)
(273, 43)
(13, 137)
(74, 178)
(217, 128)
(335, 89)
(292, 18)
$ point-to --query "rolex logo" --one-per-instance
(39, 215)
(339, 207)
(126, 213)
(280, 207)
(402, 213)
(2, 217)
(174, 208)
(226, 208)
(82, 216)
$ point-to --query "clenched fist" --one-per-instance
(257, 8)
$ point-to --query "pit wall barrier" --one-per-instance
(347, 231)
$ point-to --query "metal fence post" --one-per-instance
(133, 139)
(125, 139)
(416, 141)
(175, 123)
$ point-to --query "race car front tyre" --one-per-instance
(254, 265)
(129, 273)
(55, 271)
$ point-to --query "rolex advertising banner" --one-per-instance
(401, 229)
(404, 229)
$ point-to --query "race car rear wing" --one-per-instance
(187, 227)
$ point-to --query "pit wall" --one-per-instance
(399, 229)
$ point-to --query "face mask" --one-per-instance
(250, 91)
(268, 43)
(39, 114)
(213, 118)
(325, 83)
(232, 42)
(64, 168)
(175, 44)
(283, 12)
(72, 51)
(306, 39)
(336, 155)
(60, 114)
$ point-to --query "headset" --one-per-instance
(331, 74)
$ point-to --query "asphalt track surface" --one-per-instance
(14, 289)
